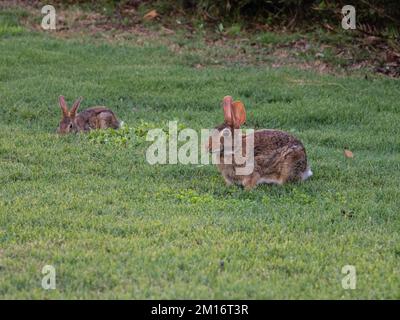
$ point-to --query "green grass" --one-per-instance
(116, 227)
(9, 22)
(271, 38)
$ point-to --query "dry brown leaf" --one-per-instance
(151, 15)
(348, 154)
(329, 27)
(167, 31)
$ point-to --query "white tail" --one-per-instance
(306, 174)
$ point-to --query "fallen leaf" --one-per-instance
(348, 154)
(371, 40)
(167, 31)
(151, 15)
(329, 27)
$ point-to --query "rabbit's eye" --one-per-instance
(70, 125)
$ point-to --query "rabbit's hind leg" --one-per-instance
(107, 120)
(249, 182)
(295, 165)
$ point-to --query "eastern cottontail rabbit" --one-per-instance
(279, 157)
(92, 118)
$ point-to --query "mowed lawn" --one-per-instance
(114, 226)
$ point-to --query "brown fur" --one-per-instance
(279, 157)
(92, 118)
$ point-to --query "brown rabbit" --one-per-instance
(279, 157)
(92, 118)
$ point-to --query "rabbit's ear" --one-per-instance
(227, 106)
(239, 114)
(63, 106)
(75, 107)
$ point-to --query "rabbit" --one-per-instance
(279, 157)
(92, 118)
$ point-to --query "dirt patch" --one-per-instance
(199, 48)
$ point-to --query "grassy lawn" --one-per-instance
(114, 226)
